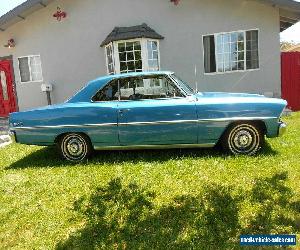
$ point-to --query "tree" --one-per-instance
(287, 46)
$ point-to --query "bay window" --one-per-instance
(130, 56)
(132, 49)
(110, 59)
(153, 58)
(134, 55)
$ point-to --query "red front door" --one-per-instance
(7, 90)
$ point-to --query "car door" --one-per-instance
(102, 115)
(152, 110)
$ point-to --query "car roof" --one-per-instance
(133, 74)
(86, 93)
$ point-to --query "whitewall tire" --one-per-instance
(243, 139)
(75, 147)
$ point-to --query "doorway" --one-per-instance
(8, 102)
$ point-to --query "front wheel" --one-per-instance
(243, 139)
(75, 147)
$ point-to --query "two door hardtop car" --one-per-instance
(150, 110)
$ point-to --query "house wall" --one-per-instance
(71, 54)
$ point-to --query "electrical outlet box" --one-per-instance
(46, 87)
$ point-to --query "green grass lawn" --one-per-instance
(173, 199)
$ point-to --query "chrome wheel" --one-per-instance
(244, 139)
(75, 147)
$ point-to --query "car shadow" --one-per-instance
(49, 156)
(122, 216)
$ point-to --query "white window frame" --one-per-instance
(245, 51)
(144, 53)
(116, 53)
(158, 51)
(113, 58)
(29, 56)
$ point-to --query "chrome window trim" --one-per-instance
(109, 82)
(177, 85)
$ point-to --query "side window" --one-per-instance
(232, 51)
(30, 69)
(108, 93)
(148, 88)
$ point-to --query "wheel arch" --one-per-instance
(60, 136)
(260, 123)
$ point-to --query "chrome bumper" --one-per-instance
(12, 135)
(282, 128)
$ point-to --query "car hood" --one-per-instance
(240, 104)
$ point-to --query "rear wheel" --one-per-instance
(75, 147)
(243, 139)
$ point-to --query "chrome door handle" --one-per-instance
(123, 110)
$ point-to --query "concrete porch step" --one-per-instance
(4, 140)
(4, 126)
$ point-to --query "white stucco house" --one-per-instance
(219, 45)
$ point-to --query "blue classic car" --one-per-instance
(150, 110)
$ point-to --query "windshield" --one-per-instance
(183, 85)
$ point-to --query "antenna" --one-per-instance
(196, 82)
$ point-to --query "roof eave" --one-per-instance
(104, 43)
(21, 12)
(132, 32)
(288, 18)
(289, 11)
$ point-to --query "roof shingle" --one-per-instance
(126, 33)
